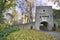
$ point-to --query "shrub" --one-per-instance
(3, 27)
(29, 35)
(58, 29)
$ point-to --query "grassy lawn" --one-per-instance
(29, 35)
(14, 33)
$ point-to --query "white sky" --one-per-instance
(47, 3)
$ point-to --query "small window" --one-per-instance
(40, 16)
(43, 10)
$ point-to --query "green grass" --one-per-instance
(6, 30)
(29, 35)
(14, 33)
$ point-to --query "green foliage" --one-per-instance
(29, 35)
(57, 16)
(9, 4)
(6, 30)
(58, 21)
(4, 4)
(58, 30)
(56, 11)
(1, 8)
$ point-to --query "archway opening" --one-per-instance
(43, 26)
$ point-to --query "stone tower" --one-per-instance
(44, 18)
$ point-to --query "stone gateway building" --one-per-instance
(43, 19)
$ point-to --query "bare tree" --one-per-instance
(26, 8)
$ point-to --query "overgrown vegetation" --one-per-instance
(58, 30)
(57, 16)
(56, 13)
(6, 30)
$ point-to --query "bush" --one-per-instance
(3, 27)
(58, 29)
(29, 35)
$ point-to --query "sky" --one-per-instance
(47, 3)
(40, 3)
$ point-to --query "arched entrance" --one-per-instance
(43, 26)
